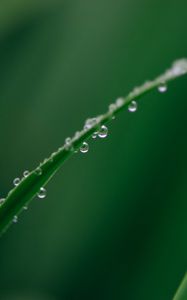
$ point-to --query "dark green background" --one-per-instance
(114, 223)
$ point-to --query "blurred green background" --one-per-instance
(114, 223)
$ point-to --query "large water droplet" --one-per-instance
(15, 219)
(84, 148)
(42, 193)
(2, 200)
(162, 88)
(103, 132)
(16, 181)
(26, 173)
(133, 106)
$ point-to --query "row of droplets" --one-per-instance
(41, 194)
(101, 133)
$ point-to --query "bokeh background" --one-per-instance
(114, 222)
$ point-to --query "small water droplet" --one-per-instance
(68, 143)
(133, 106)
(103, 132)
(77, 134)
(15, 219)
(112, 107)
(2, 200)
(94, 135)
(162, 88)
(16, 181)
(38, 171)
(25, 207)
(26, 173)
(42, 193)
(119, 102)
(89, 123)
(84, 148)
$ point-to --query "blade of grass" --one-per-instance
(181, 293)
(27, 189)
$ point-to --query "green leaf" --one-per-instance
(182, 290)
(29, 186)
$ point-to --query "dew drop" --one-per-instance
(16, 181)
(25, 207)
(89, 123)
(112, 107)
(42, 193)
(15, 219)
(84, 148)
(119, 102)
(103, 132)
(26, 173)
(94, 135)
(162, 88)
(133, 106)
(2, 200)
(68, 143)
(38, 171)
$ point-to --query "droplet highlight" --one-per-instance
(26, 173)
(38, 171)
(42, 193)
(15, 219)
(16, 181)
(103, 132)
(94, 135)
(162, 88)
(133, 106)
(84, 148)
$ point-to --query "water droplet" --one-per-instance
(15, 219)
(103, 132)
(2, 200)
(38, 171)
(119, 102)
(16, 181)
(25, 207)
(112, 107)
(84, 148)
(77, 135)
(68, 143)
(42, 193)
(89, 123)
(133, 106)
(26, 173)
(162, 88)
(94, 135)
(179, 67)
